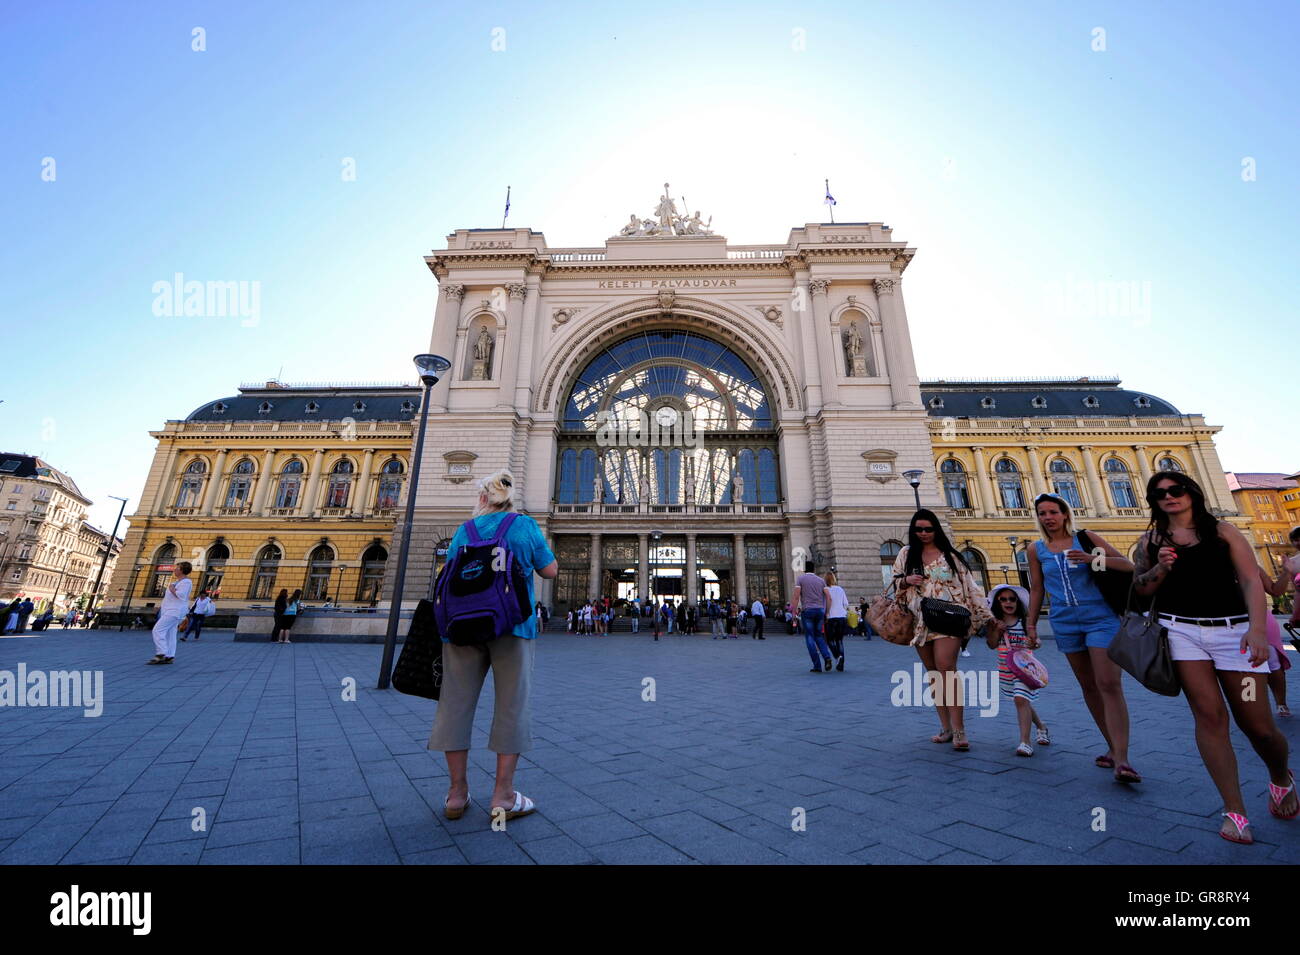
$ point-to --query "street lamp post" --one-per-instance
(655, 537)
(430, 369)
(1014, 541)
(130, 592)
(108, 549)
(914, 479)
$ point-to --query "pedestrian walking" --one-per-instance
(292, 610)
(1207, 592)
(930, 567)
(810, 602)
(636, 615)
(175, 603)
(24, 611)
(1083, 623)
(759, 613)
(199, 612)
(509, 656)
(837, 613)
(1010, 606)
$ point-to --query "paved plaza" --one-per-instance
(739, 743)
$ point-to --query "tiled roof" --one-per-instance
(1080, 398)
(324, 402)
(1259, 481)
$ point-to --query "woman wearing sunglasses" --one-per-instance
(1210, 598)
(1083, 624)
(929, 566)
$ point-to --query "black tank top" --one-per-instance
(1203, 582)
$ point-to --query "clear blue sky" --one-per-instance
(993, 137)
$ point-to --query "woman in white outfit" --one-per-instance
(175, 607)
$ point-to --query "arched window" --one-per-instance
(1121, 487)
(767, 478)
(390, 485)
(372, 574)
(977, 566)
(748, 474)
(287, 493)
(954, 484)
(214, 569)
(567, 491)
(191, 484)
(889, 552)
(241, 484)
(1009, 484)
(164, 563)
(1064, 483)
(1169, 464)
(340, 486)
(320, 564)
(264, 572)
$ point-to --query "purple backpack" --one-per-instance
(482, 592)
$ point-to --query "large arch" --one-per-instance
(726, 326)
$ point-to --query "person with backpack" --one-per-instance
(482, 602)
(292, 608)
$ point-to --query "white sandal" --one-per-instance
(523, 806)
(454, 813)
(1024, 749)
(1043, 738)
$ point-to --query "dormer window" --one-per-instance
(265, 407)
(312, 407)
(1091, 402)
(408, 407)
(1038, 401)
(1142, 401)
(987, 402)
(359, 407)
(936, 402)
(219, 408)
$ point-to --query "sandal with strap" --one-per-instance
(1277, 795)
(1104, 762)
(522, 807)
(959, 741)
(1242, 824)
(1024, 749)
(1043, 738)
(457, 812)
(1124, 773)
(945, 736)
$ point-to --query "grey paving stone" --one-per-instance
(274, 852)
(641, 850)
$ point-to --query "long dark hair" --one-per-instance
(1206, 524)
(1021, 612)
(914, 545)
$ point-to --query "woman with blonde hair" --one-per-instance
(837, 618)
(509, 656)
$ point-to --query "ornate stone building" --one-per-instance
(685, 417)
(295, 487)
(47, 550)
(1268, 501)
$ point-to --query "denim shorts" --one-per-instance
(1076, 628)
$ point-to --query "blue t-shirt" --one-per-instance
(529, 547)
(1068, 584)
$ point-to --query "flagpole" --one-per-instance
(830, 205)
(507, 212)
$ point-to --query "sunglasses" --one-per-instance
(1160, 493)
(923, 530)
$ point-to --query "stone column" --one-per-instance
(1144, 465)
(878, 348)
(827, 361)
(446, 318)
(739, 586)
(528, 343)
(363, 484)
(689, 573)
(1206, 479)
(807, 346)
(1037, 481)
(898, 344)
(268, 484)
(788, 573)
(166, 484)
(593, 578)
(988, 502)
(643, 566)
(308, 503)
(1100, 506)
(514, 344)
(214, 483)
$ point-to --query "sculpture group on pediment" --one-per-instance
(667, 220)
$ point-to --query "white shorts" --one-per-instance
(1220, 645)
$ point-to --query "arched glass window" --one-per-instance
(954, 484)
(768, 485)
(889, 552)
(567, 492)
(748, 474)
(977, 566)
(214, 569)
(1064, 483)
(241, 484)
(372, 574)
(264, 573)
(164, 563)
(1169, 464)
(587, 478)
(320, 564)
(340, 486)
(191, 484)
(390, 485)
(1009, 484)
(1121, 487)
(290, 487)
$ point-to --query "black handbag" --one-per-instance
(1115, 585)
(944, 617)
(1141, 649)
(419, 667)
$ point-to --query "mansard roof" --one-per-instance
(1039, 398)
(275, 401)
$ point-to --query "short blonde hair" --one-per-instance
(829, 577)
(499, 489)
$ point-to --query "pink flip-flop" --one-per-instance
(1276, 794)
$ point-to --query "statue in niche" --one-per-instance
(853, 349)
(482, 355)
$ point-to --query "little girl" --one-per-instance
(1008, 605)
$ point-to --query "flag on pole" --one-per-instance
(505, 214)
(830, 200)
